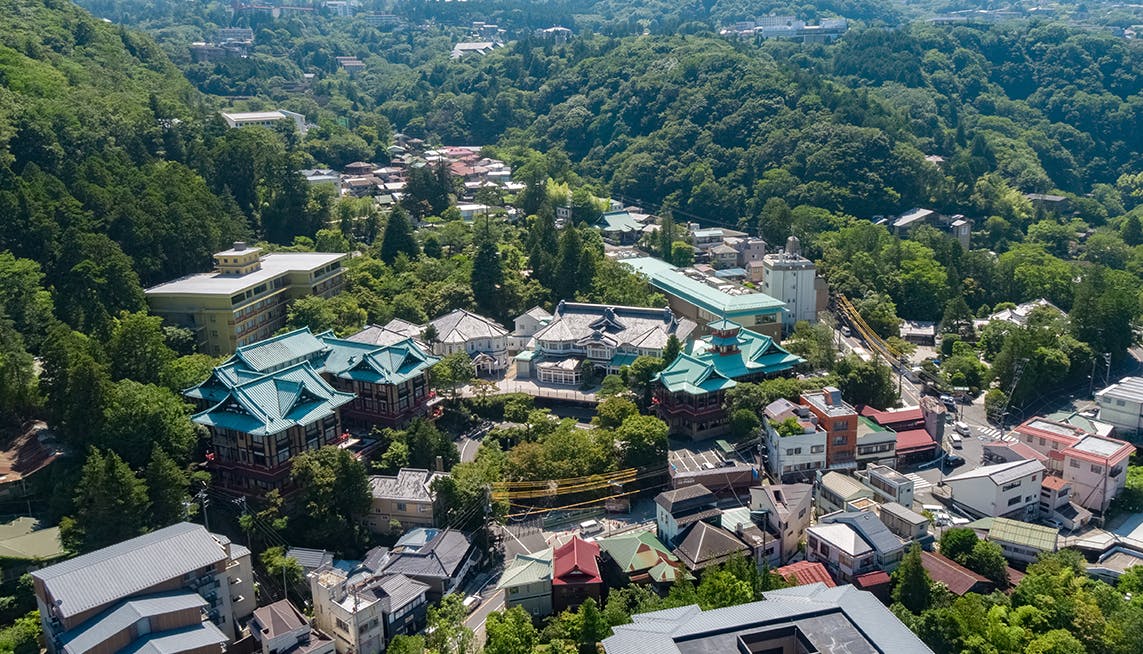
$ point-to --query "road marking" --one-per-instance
(920, 484)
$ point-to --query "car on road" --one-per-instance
(471, 602)
(962, 428)
(949, 402)
(956, 441)
(845, 331)
(954, 460)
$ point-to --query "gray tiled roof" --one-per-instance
(97, 630)
(868, 625)
(706, 544)
(906, 514)
(870, 528)
(440, 557)
(196, 637)
(407, 484)
(112, 573)
(617, 326)
(668, 499)
(400, 589)
(462, 326)
(309, 559)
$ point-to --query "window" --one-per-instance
(817, 449)
(1014, 501)
(401, 506)
(341, 624)
(840, 440)
(1042, 442)
(1009, 486)
(840, 425)
(1097, 469)
(1073, 463)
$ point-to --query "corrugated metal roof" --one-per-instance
(1027, 534)
(112, 573)
(199, 636)
(97, 630)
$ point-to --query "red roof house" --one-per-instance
(575, 574)
(805, 572)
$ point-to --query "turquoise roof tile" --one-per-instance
(673, 281)
(702, 369)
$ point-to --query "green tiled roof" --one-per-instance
(273, 403)
(619, 221)
(704, 370)
(621, 359)
(641, 552)
(272, 385)
(671, 280)
(527, 569)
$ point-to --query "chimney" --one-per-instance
(240, 245)
(438, 464)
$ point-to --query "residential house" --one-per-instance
(705, 299)
(704, 545)
(792, 278)
(841, 549)
(309, 559)
(137, 595)
(1020, 541)
(288, 394)
(954, 576)
(402, 501)
(887, 485)
(282, 629)
(1056, 504)
(875, 444)
(788, 512)
(362, 608)
(441, 558)
(637, 558)
(813, 618)
(1095, 466)
(750, 528)
(723, 256)
(887, 547)
(1121, 404)
(691, 389)
(839, 420)
(575, 574)
(803, 573)
(244, 300)
(904, 522)
(1004, 490)
(677, 509)
(527, 583)
(606, 337)
(1113, 563)
(835, 491)
(792, 454)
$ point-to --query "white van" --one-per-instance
(962, 428)
(956, 440)
(588, 527)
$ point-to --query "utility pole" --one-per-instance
(205, 501)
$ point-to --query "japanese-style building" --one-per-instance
(284, 395)
(691, 390)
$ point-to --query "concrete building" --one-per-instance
(835, 491)
(525, 327)
(180, 589)
(788, 509)
(244, 300)
(363, 608)
(903, 522)
(690, 390)
(811, 618)
(1095, 466)
(1121, 404)
(282, 629)
(402, 501)
(241, 119)
(887, 547)
(1056, 504)
(839, 420)
(527, 583)
(876, 445)
(790, 455)
(1004, 490)
(792, 278)
(887, 485)
(704, 300)
(606, 337)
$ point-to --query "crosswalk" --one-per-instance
(920, 484)
(995, 434)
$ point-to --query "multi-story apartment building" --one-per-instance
(402, 501)
(244, 300)
(791, 453)
(180, 589)
(1121, 404)
(792, 278)
(839, 420)
(606, 337)
(835, 491)
(691, 389)
(282, 396)
(1003, 490)
(1095, 466)
(788, 510)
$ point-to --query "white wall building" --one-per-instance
(789, 277)
(788, 510)
(1121, 404)
(841, 549)
(1005, 490)
(796, 455)
(1095, 466)
(887, 485)
(240, 119)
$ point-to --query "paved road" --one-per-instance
(467, 448)
(475, 622)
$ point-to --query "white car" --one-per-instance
(962, 428)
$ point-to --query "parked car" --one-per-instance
(962, 428)
(954, 460)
